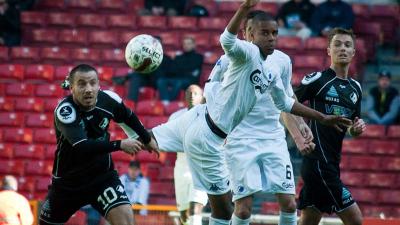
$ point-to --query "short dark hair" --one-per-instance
(79, 68)
(257, 15)
(135, 164)
(339, 30)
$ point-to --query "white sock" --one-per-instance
(286, 218)
(195, 220)
(214, 221)
(237, 221)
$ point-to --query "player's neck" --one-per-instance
(341, 70)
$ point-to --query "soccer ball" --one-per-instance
(144, 53)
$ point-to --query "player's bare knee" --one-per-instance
(288, 206)
(243, 212)
(120, 215)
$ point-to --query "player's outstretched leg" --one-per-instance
(351, 216)
(221, 209)
(287, 204)
(310, 216)
(121, 215)
(195, 211)
(242, 213)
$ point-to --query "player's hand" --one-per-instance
(152, 146)
(306, 132)
(131, 146)
(336, 122)
(250, 3)
(358, 127)
(304, 147)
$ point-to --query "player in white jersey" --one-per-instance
(190, 202)
(227, 104)
(256, 149)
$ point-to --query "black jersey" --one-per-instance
(330, 95)
(83, 142)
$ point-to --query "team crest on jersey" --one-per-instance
(66, 113)
(353, 97)
(104, 123)
(308, 79)
(258, 82)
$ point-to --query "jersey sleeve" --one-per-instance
(308, 87)
(217, 73)
(235, 49)
(69, 123)
(358, 106)
(287, 77)
(278, 93)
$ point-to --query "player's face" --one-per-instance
(341, 49)
(85, 88)
(264, 34)
(194, 96)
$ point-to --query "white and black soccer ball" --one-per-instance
(144, 53)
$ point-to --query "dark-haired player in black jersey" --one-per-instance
(331, 92)
(83, 172)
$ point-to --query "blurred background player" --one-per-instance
(256, 150)
(14, 207)
(137, 186)
(332, 92)
(189, 201)
(83, 172)
(383, 101)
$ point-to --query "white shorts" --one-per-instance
(169, 136)
(206, 158)
(184, 191)
(259, 165)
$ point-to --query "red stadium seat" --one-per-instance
(61, 72)
(290, 45)
(111, 6)
(352, 178)
(146, 157)
(383, 180)
(121, 21)
(150, 108)
(73, 37)
(355, 146)
(7, 104)
(121, 167)
(361, 10)
(50, 5)
(373, 131)
(26, 184)
(384, 147)
(167, 173)
(130, 104)
(151, 170)
(43, 183)
(364, 194)
(113, 57)
(121, 156)
(389, 197)
(83, 6)
(82, 55)
(12, 72)
(170, 39)
(3, 54)
(363, 162)
(55, 55)
(134, 6)
(126, 36)
(61, 20)
(270, 7)
(14, 167)
(105, 74)
(211, 6)
(211, 58)
(393, 131)
(162, 189)
(91, 21)
(122, 71)
(316, 45)
(270, 208)
(155, 200)
(51, 103)
(152, 22)
(79, 218)
(33, 19)
(228, 8)
(39, 72)
(48, 90)
(182, 22)
(103, 39)
(120, 90)
(45, 36)
(296, 78)
(308, 63)
(173, 107)
(21, 135)
(6, 150)
(153, 121)
(213, 23)
(25, 54)
(35, 167)
(391, 163)
(19, 89)
(44, 135)
(146, 93)
(39, 120)
(29, 104)
(117, 135)
(28, 151)
(11, 119)
(50, 151)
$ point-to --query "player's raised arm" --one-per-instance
(234, 24)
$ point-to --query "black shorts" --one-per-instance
(103, 193)
(323, 188)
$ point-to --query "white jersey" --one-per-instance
(180, 156)
(247, 77)
(264, 116)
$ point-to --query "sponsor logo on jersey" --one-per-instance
(214, 187)
(259, 84)
(288, 185)
(346, 196)
(332, 95)
(89, 117)
(104, 123)
(338, 110)
(353, 97)
(66, 113)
